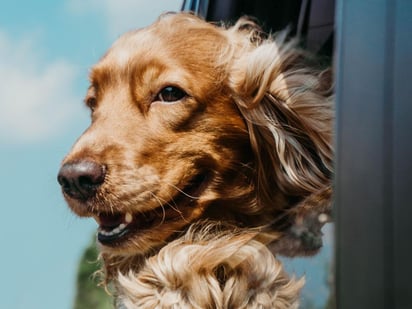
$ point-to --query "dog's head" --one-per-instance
(193, 121)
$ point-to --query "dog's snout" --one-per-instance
(81, 179)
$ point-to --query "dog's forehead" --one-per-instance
(177, 38)
(131, 45)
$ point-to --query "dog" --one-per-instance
(192, 121)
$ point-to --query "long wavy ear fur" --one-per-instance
(289, 113)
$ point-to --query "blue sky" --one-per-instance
(46, 49)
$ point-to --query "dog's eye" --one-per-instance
(170, 94)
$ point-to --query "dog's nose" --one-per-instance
(81, 179)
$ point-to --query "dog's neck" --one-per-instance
(115, 264)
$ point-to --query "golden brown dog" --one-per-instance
(191, 121)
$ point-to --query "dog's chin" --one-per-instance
(137, 232)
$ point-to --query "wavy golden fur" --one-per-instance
(210, 267)
(191, 121)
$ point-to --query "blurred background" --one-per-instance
(46, 49)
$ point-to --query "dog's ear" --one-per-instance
(289, 114)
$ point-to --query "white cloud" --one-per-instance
(36, 98)
(124, 15)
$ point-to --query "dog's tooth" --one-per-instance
(118, 229)
(128, 218)
(113, 232)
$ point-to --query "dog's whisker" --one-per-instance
(162, 203)
(182, 192)
(163, 215)
(171, 202)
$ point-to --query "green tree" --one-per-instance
(88, 293)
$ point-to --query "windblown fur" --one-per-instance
(210, 268)
(194, 122)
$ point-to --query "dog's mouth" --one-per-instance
(114, 227)
(117, 227)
